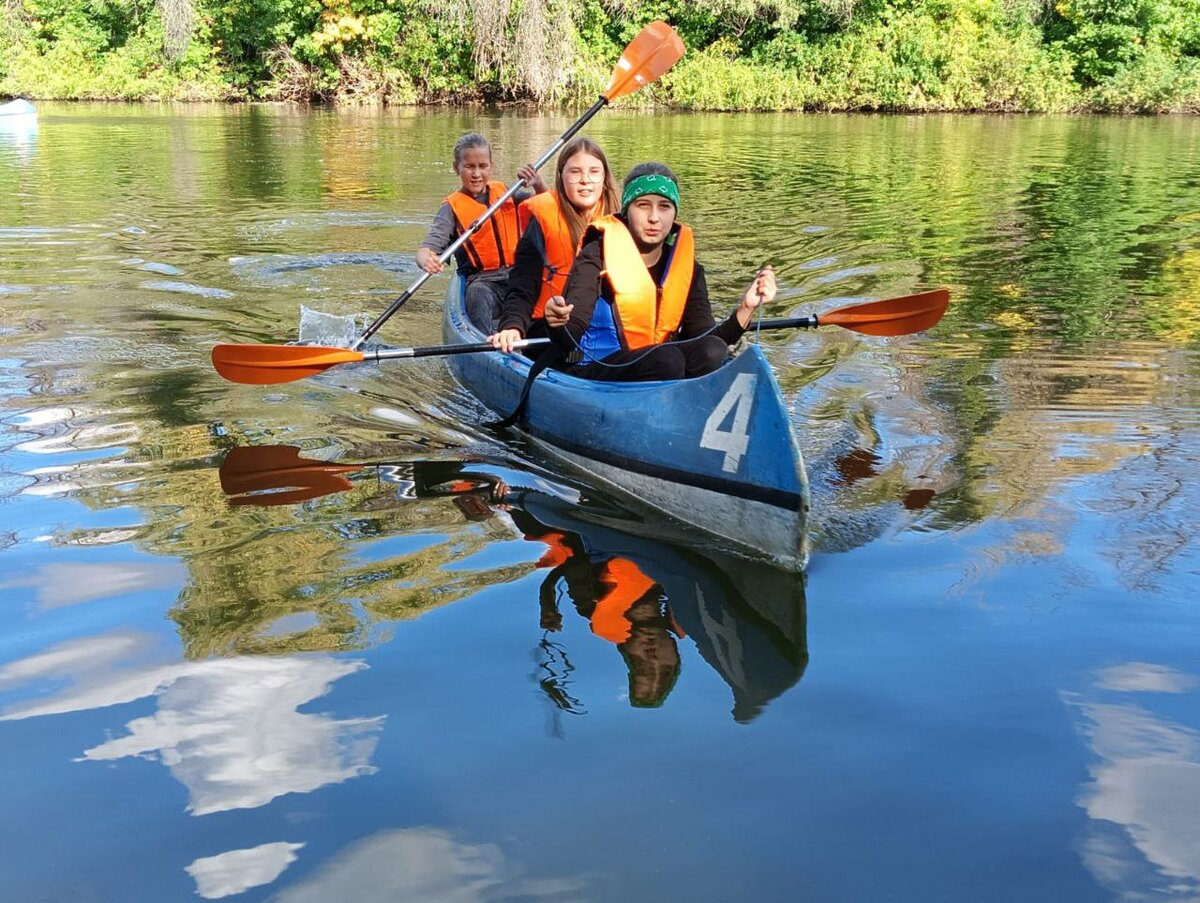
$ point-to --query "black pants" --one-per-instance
(670, 360)
(484, 299)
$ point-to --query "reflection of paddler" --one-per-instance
(621, 603)
(473, 493)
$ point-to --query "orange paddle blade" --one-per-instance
(655, 50)
(895, 316)
(262, 365)
(265, 468)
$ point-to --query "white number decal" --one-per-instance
(733, 441)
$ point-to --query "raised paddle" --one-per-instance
(655, 50)
(260, 365)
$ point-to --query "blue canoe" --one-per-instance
(716, 453)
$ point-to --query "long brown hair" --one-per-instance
(610, 200)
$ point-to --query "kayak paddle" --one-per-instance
(270, 475)
(891, 317)
(655, 50)
(260, 365)
(271, 469)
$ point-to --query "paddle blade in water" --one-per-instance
(895, 316)
(263, 365)
(269, 475)
(655, 50)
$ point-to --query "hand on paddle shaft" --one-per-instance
(761, 291)
(557, 313)
(428, 259)
(262, 365)
(531, 177)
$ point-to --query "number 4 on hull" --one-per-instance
(739, 399)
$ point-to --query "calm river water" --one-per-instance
(385, 685)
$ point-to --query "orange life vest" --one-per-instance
(495, 243)
(625, 584)
(560, 251)
(557, 550)
(646, 314)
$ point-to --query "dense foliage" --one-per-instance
(1018, 55)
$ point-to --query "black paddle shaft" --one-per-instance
(483, 218)
(473, 348)
(388, 354)
(785, 323)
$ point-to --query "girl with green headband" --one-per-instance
(636, 306)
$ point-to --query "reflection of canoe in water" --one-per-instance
(715, 452)
(17, 108)
(746, 619)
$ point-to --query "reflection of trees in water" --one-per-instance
(1084, 244)
(249, 568)
(1079, 435)
(1017, 441)
(331, 560)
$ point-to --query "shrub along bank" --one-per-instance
(896, 55)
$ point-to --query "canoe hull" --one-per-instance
(716, 452)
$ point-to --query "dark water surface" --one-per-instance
(389, 687)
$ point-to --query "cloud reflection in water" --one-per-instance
(70, 583)
(228, 729)
(1144, 840)
(239, 870)
(429, 865)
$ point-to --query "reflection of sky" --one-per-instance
(426, 865)
(1144, 799)
(228, 729)
(239, 870)
(69, 583)
(18, 136)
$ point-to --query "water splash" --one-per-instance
(317, 328)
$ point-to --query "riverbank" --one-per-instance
(944, 56)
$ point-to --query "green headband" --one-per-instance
(650, 184)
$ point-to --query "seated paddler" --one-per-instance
(636, 304)
(486, 257)
(552, 226)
